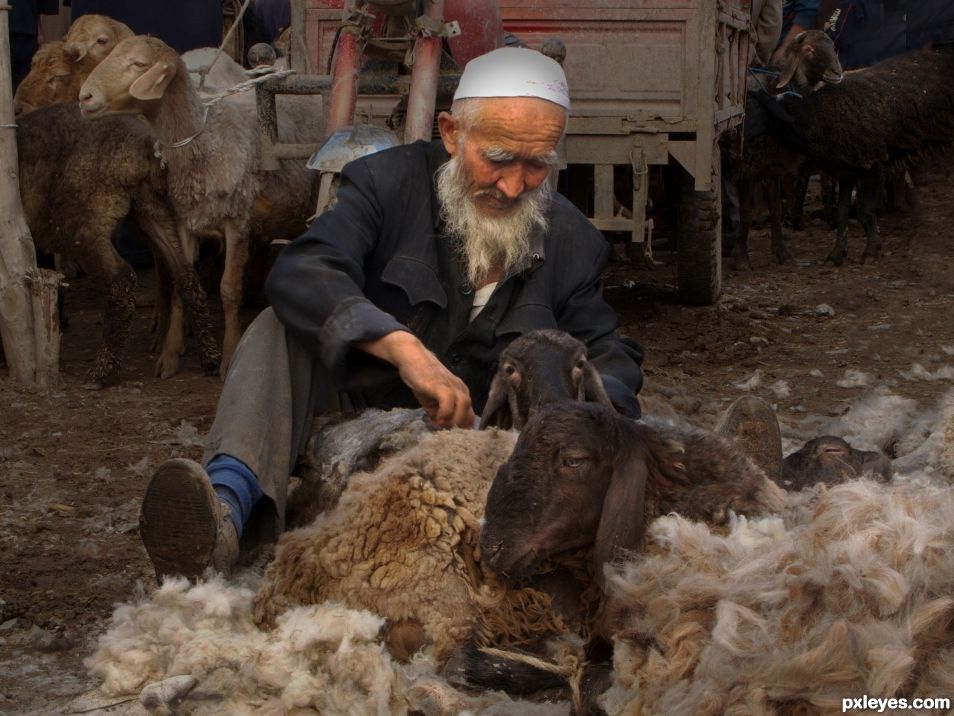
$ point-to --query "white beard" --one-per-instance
(487, 242)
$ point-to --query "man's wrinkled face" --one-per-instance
(493, 191)
(509, 150)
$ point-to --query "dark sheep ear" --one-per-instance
(789, 72)
(622, 520)
(593, 390)
(497, 412)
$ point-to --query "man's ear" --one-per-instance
(450, 132)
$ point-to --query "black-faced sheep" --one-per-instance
(78, 182)
(542, 367)
(773, 147)
(215, 180)
(832, 461)
(581, 475)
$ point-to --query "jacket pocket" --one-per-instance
(416, 278)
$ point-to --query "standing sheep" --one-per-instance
(215, 180)
(876, 120)
(78, 182)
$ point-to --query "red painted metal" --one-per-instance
(424, 75)
(481, 29)
(344, 81)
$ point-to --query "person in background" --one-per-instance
(24, 33)
(797, 16)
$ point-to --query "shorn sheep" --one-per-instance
(214, 176)
(78, 182)
(846, 593)
(401, 541)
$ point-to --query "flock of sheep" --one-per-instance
(191, 171)
(619, 567)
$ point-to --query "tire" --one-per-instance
(699, 241)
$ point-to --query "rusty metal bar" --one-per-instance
(345, 69)
(424, 76)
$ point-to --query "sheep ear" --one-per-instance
(622, 519)
(789, 72)
(592, 387)
(152, 83)
(497, 410)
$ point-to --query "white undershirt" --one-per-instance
(481, 296)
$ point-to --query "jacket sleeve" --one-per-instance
(586, 316)
(316, 285)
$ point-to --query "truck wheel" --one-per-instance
(699, 241)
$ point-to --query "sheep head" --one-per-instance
(810, 62)
(94, 36)
(831, 460)
(132, 79)
(55, 76)
(577, 476)
(541, 367)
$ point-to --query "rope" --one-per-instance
(9, 126)
(571, 669)
(228, 36)
(244, 86)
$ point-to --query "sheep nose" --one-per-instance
(89, 103)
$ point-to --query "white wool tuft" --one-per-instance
(854, 379)
(750, 383)
(919, 372)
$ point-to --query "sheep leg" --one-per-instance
(156, 221)
(782, 254)
(230, 290)
(870, 190)
(108, 267)
(740, 249)
(840, 250)
(797, 216)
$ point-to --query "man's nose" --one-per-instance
(512, 181)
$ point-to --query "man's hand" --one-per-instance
(444, 396)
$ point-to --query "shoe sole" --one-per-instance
(177, 522)
(751, 424)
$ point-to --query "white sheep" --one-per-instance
(215, 179)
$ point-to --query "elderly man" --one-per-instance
(435, 256)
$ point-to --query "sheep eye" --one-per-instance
(574, 461)
(581, 363)
(509, 369)
(102, 40)
(138, 64)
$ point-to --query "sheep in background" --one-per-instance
(94, 36)
(78, 182)
(875, 121)
(55, 76)
(214, 176)
(773, 147)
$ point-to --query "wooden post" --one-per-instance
(29, 325)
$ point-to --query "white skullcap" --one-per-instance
(514, 72)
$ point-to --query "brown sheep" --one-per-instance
(582, 475)
(78, 182)
(95, 36)
(55, 76)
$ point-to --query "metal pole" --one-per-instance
(424, 77)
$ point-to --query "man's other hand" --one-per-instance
(444, 397)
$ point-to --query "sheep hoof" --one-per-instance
(166, 368)
(784, 257)
(836, 258)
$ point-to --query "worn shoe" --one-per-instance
(751, 424)
(184, 526)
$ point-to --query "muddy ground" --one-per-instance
(74, 463)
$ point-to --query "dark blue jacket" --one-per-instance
(378, 262)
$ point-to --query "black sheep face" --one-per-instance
(831, 460)
(548, 497)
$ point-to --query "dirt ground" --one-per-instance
(74, 463)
